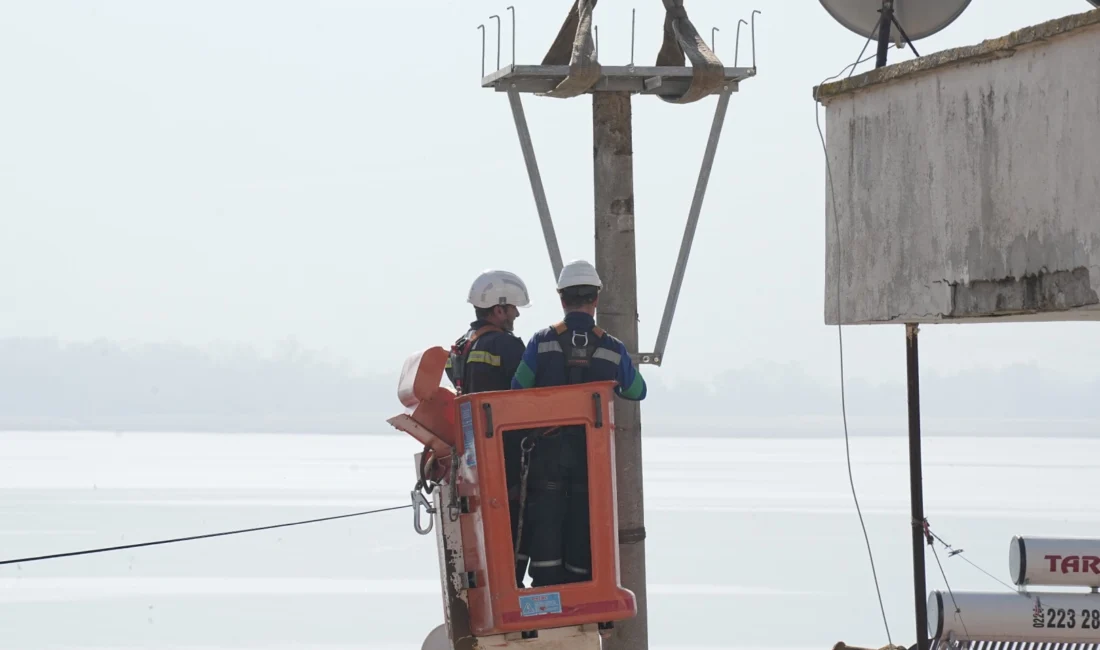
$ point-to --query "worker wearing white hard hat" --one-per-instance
(579, 273)
(494, 288)
(594, 354)
(486, 357)
(572, 351)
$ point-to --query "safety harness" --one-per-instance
(428, 475)
(460, 353)
(578, 348)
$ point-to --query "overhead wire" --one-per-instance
(840, 334)
(177, 540)
(959, 552)
(950, 591)
(933, 537)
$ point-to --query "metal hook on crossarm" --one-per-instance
(498, 39)
(737, 41)
(482, 28)
(753, 28)
(633, 20)
(418, 502)
(512, 9)
(712, 31)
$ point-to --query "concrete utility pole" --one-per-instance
(613, 170)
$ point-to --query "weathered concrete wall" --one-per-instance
(967, 183)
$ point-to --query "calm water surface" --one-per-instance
(753, 542)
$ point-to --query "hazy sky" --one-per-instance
(332, 171)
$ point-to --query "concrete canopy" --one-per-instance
(967, 183)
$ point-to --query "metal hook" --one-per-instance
(418, 502)
(597, 28)
(513, 10)
(452, 508)
(712, 30)
(482, 28)
(498, 39)
(737, 41)
(753, 27)
(633, 20)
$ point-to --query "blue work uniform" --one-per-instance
(556, 521)
(485, 359)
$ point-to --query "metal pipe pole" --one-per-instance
(616, 261)
(916, 486)
(885, 21)
(912, 372)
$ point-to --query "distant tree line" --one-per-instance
(45, 384)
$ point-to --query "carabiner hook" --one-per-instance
(419, 501)
(583, 335)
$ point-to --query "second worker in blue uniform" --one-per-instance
(555, 529)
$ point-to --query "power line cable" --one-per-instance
(176, 540)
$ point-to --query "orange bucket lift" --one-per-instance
(464, 441)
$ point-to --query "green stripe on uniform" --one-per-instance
(636, 386)
(524, 375)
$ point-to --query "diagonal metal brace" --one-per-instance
(657, 356)
(536, 182)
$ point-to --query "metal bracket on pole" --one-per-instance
(657, 356)
(536, 182)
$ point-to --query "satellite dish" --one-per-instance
(437, 639)
(919, 18)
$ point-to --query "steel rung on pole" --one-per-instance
(536, 182)
(692, 222)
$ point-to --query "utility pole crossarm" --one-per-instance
(665, 81)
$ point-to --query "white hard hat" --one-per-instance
(494, 287)
(578, 273)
